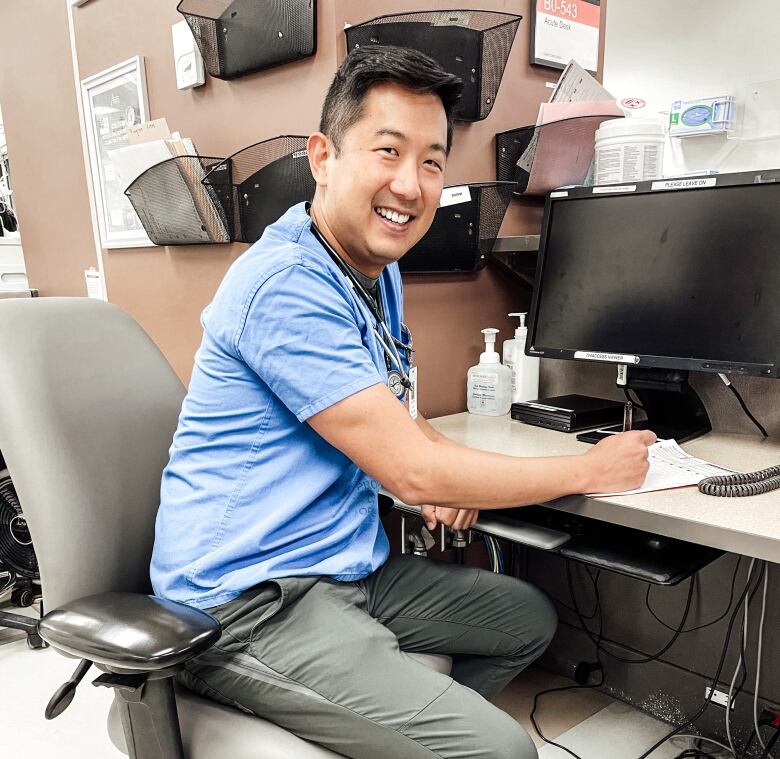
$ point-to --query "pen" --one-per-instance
(628, 416)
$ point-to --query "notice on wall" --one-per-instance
(564, 30)
(94, 281)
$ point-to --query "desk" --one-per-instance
(748, 526)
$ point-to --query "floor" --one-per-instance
(587, 722)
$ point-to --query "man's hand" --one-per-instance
(458, 519)
(619, 462)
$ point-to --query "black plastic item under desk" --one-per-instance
(643, 555)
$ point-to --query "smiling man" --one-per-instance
(379, 182)
(269, 515)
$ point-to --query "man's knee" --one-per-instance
(535, 619)
(545, 621)
(504, 738)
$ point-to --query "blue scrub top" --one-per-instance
(252, 492)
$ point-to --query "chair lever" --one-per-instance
(62, 697)
(125, 683)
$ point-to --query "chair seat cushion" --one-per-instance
(212, 731)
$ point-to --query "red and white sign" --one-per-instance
(565, 30)
(633, 103)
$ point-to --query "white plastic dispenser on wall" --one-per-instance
(489, 383)
(190, 71)
(525, 369)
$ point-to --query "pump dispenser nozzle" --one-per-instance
(522, 330)
(490, 356)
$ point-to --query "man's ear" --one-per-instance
(319, 149)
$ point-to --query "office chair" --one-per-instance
(88, 408)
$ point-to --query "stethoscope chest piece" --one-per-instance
(396, 384)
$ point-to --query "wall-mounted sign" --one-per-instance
(562, 30)
(114, 100)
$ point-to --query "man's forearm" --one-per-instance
(462, 477)
(412, 461)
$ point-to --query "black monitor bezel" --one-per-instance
(769, 176)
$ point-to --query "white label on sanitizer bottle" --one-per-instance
(484, 392)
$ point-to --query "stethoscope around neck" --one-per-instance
(398, 379)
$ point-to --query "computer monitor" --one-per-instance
(663, 277)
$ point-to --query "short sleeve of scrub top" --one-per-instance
(301, 336)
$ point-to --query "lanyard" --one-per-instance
(390, 344)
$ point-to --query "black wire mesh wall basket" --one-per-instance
(462, 234)
(238, 37)
(258, 184)
(540, 158)
(473, 45)
(175, 207)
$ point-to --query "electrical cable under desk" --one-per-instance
(746, 597)
(714, 682)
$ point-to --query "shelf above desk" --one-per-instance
(748, 526)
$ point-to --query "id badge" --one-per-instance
(412, 400)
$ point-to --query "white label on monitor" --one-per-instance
(450, 196)
(614, 188)
(679, 184)
(616, 358)
(559, 194)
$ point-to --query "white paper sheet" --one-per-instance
(575, 85)
(672, 467)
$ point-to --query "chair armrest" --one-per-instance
(129, 631)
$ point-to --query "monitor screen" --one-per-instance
(679, 279)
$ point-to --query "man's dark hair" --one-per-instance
(376, 64)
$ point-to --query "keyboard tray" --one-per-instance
(643, 555)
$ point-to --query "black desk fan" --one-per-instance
(18, 563)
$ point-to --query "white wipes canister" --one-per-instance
(629, 150)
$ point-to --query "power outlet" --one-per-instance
(719, 697)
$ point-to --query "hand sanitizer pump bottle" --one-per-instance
(489, 385)
(525, 369)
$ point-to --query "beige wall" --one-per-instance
(166, 288)
(44, 145)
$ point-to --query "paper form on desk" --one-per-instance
(672, 467)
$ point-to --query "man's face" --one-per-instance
(382, 191)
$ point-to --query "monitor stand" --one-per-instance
(673, 408)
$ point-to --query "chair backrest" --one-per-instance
(88, 408)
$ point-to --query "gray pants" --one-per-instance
(327, 660)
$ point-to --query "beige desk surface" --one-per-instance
(749, 526)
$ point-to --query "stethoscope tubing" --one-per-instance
(391, 346)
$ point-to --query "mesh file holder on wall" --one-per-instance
(238, 37)
(573, 140)
(175, 207)
(462, 235)
(473, 45)
(258, 184)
